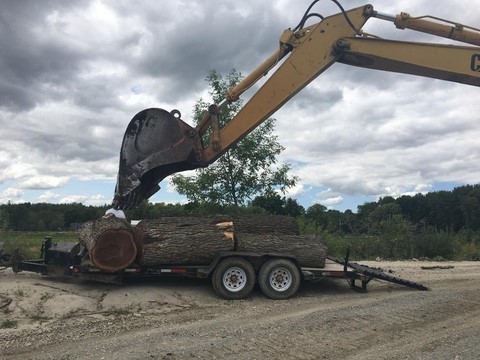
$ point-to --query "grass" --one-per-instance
(120, 311)
(20, 292)
(8, 324)
(39, 318)
(30, 242)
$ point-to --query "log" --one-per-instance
(435, 267)
(156, 229)
(110, 242)
(266, 224)
(309, 250)
(185, 240)
(113, 244)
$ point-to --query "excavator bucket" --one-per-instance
(157, 143)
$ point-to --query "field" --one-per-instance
(57, 318)
(29, 242)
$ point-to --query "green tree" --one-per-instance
(4, 220)
(444, 211)
(317, 216)
(414, 208)
(247, 169)
(293, 208)
(273, 203)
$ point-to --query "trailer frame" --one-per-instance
(71, 259)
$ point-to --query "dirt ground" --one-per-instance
(55, 318)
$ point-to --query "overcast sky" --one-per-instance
(73, 74)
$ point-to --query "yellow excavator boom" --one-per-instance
(158, 143)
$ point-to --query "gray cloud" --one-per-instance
(29, 60)
(74, 73)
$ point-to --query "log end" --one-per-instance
(114, 250)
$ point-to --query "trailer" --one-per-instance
(233, 274)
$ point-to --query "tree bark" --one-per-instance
(110, 242)
(185, 240)
(266, 224)
(309, 250)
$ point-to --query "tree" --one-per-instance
(444, 211)
(317, 216)
(413, 208)
(273, 203)
(4, 220)
(293, 208)
(247, 169)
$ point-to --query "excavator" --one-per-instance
(158, 143)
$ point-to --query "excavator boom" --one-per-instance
(158, 143)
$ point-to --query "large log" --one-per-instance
(185, 240)
(157, 229)
(110, 242)
(266, 224)
(113, 244)
(309, 250)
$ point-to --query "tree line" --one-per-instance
(441, 224)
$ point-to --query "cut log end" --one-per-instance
(110, 243)
(114, 249)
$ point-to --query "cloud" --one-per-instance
(11, 195)
(88, 200)
(48, 197)
(329, 198)
(332, 201)
(75, 73)
(44, 182)
(93, 200)
(296, 191)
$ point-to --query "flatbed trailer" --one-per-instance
(233, 274)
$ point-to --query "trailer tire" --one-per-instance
(233, 278)
(279, 279)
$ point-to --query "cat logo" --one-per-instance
(475, 64)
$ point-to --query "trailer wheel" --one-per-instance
(279, 279)
(233, 278)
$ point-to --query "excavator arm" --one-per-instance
(158, 143)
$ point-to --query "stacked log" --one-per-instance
(278, 234)
(185, 240)
(266, 224)
(113, 244)
(308, 250)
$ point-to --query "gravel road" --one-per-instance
(55, 318)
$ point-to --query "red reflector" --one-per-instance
(179, 270)
(138, 270)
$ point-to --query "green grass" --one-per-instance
(30, 242)
(8, 324)
(120, 311)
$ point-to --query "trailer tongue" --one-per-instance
(352, 272)
(372, 273)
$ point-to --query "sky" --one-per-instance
(74, 73)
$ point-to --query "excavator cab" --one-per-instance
(156, 144)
